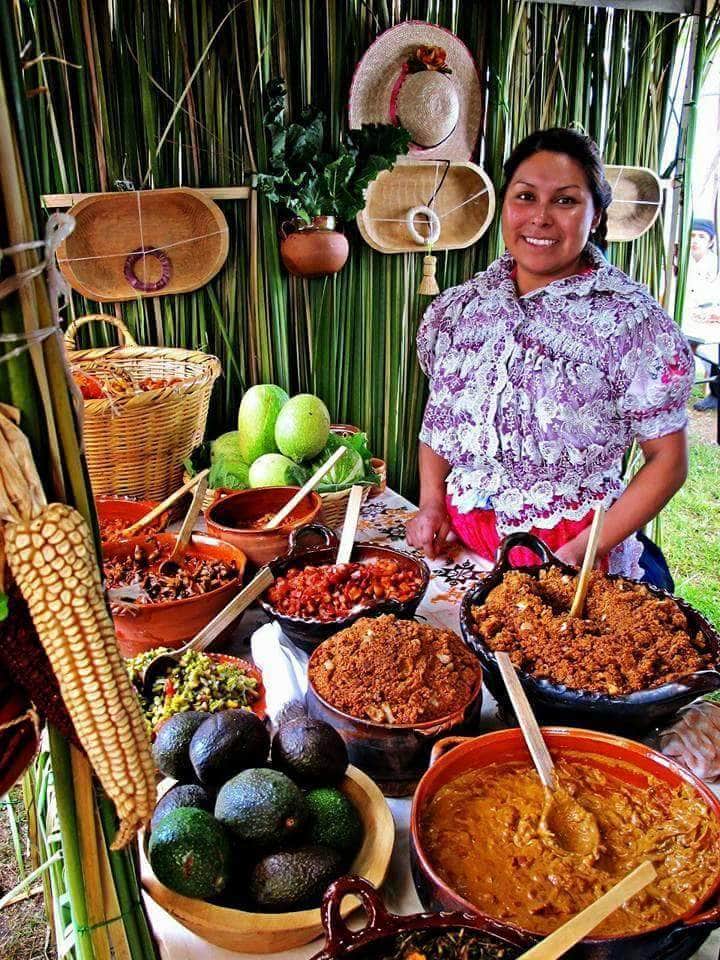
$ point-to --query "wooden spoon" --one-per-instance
(352, 515)
(583, 923)
(164, 662)
(162, 507)
(578, 604)
(575, 828)
(304, 490)
(170, 565)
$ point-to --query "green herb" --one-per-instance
(310, 182)
(4, 609)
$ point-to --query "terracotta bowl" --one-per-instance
(230, 513)
(634, 713)
(128, 510)
(247, 932)
(395, 756)
(308, 632)
(679, 939)
(379, 935)
(171, 623)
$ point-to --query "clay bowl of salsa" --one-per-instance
(523, 890)
(303, 604)
(115, 514)
(237, 517)
(172, 621)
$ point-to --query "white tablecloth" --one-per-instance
(382, 520)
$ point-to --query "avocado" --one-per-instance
(189, 852)
(182, 795)
(310, 751)
(333, 822)
(226, 743)
(172, 741)
(294, 879)
(262, 807)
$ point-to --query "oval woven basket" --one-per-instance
(135, 444)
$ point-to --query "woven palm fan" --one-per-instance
(636, 203)
(144, 243)
(400, 204)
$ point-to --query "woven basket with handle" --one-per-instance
(135, 444)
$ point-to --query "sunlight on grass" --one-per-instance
(691, 532)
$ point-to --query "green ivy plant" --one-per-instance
(310, 182)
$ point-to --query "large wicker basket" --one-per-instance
(135, 445)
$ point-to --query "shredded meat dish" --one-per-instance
(394, 671)
(481, 832)
(628, 640)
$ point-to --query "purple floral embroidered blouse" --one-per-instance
(535, 399)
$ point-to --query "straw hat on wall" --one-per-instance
(423, 78)
(636, 202)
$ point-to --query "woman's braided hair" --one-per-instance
(580, 147)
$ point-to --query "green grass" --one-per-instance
(690, 526)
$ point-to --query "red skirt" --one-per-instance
(478, 531)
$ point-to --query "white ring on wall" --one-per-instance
(433, 224)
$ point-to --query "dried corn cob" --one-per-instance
(52, 558)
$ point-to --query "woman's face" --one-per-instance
(547, 215)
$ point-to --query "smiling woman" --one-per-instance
(543, 371)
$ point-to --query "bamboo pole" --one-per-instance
(58, 200)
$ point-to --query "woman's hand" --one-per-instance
(428, 529)
(573, 552)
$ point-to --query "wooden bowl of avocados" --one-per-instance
(254, 932)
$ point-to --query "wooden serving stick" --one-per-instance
(578, 604)
(352, 515)
(304, 490)
(166, 504)
(574, 828)
(164, 662)
(573, 931)
(169, 566)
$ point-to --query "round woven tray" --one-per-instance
(135, 444)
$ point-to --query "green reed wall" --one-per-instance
(106, 103)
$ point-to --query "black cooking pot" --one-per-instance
(633, 714)
(308, 632)
(383, 928)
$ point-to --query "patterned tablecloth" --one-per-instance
(382, 521)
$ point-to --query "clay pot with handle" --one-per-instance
(314, 250)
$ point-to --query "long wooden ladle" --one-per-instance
(583, 923)
(583, 582)
(166, 503)
(574, 828)
(171, 564)
(304, 490)
(352, 515)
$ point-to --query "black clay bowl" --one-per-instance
(633, 714)
(632, 762)
(308, 632)
(395, 756)
(379, 937)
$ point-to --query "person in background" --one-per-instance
(701, 323)
(543, 370)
